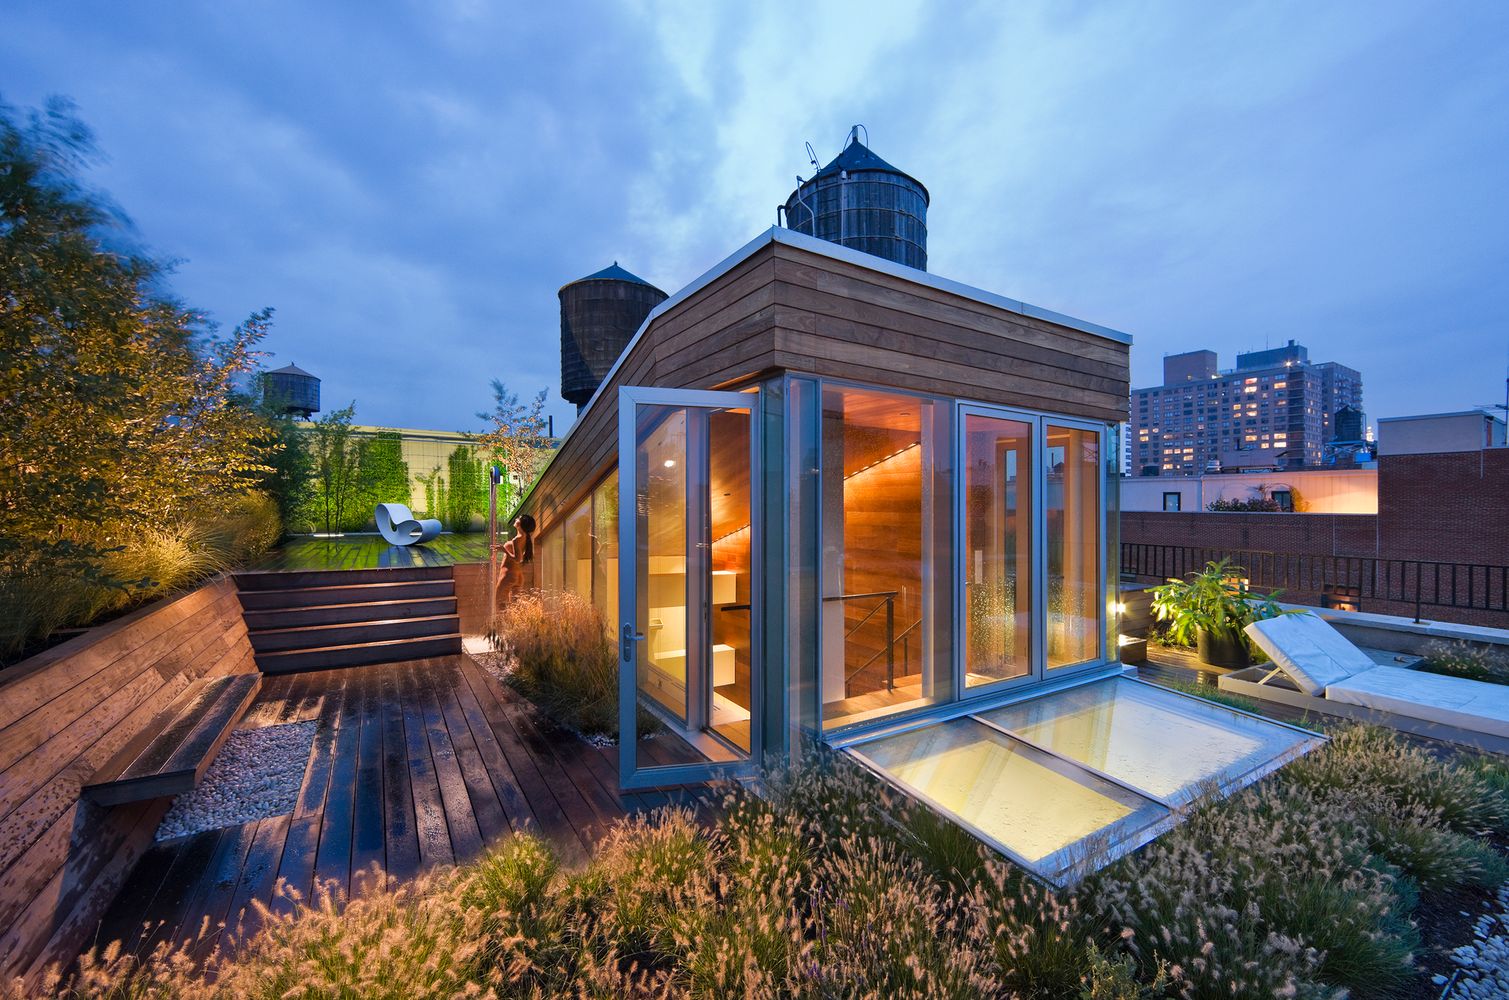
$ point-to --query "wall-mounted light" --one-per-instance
(670, 463)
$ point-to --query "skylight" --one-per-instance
(1067, 781)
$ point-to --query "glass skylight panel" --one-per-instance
(1046, 812)
(1168, 745)
(1066, 782)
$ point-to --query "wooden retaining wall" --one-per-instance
(63, 713)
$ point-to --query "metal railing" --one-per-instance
(886, 603)
(1417, 582)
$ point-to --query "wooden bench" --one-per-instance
(171, 754)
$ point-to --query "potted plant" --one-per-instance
(1209, 609)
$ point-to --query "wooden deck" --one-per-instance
(308, 552)
(414, 765)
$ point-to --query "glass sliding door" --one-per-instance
(1075, 516)
(998, 514)
(686, 542)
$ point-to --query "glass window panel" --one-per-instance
(1032, 804)
(1074, 518)
(1161, 742)
(549, 551)
(879, 463)
(660, 507)
(576, 536)
(728, 503)
(605, 550)
(998, 549)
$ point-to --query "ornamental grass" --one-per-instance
(827, 885)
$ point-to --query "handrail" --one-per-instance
(890, 681)
(1482, 587)
(888, 603)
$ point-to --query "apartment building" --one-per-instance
(1274, 410)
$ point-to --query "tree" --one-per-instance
(290, 476)
(337, 467)
(118, 404)
(518, 440)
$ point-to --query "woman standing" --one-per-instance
(518, 557)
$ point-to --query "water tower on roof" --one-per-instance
(599, 315)
(861, 201)
(292, 390)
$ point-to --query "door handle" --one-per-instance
(626, 644)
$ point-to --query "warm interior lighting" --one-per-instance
(882, 461)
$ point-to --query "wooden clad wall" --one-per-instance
(63, 713)
(788, 308)
(845, 321)
(722, 334)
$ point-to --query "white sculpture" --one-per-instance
(400, 527)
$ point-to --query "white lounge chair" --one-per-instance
(1316, 668)
(399, 526)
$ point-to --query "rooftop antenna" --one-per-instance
(811, 212)
(854, 134)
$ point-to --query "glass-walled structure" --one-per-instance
(957, 550)
(824, 498)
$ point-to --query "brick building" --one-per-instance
(1441, 532)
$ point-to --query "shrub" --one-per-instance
(826, 885)
(562, 660)
(1369, 757)
(138, 563)
(1473, 661)
(1271, 893)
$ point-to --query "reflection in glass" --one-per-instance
(549, 554)
(660, 507)
(1074, 517)
(1160, 742)
(577, 539)
(605, 550)
(998, 549)
(1029, 802)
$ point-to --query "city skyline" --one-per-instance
(1229, 180)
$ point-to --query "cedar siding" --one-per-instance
(788, 308)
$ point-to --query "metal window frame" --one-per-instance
(1066, 865)
(630, 774)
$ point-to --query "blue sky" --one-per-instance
(409, 183)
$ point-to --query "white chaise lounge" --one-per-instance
(399, 526)
(1316, 668)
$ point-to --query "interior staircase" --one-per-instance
(318, 619)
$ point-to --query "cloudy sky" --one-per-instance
(409, 183)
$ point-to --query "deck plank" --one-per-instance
(402, 846)
(424, 785)
(521, 817)
(258, 876)
(413, 765)
(296, 866)
(487, 810)
(554, 824)
(367, 820)
(333, 858)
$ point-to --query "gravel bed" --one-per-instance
(256, 774)
(1483, 966)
